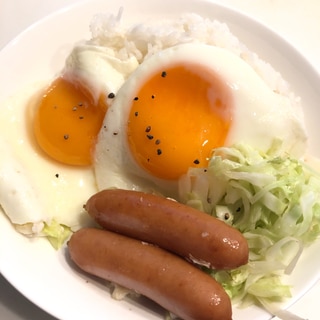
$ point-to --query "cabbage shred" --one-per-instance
(273, 199)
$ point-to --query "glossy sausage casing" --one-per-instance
(167, 279)
(173, 226)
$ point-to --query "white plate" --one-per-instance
(32, 266)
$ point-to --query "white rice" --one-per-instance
(142, 40)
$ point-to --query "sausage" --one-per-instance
(178, 228)
(169, 280)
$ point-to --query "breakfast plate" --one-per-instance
(32, 266)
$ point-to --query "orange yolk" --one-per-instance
(67, 122)
(177, 117)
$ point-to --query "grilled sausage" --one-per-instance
(165, 278)
(183, 230)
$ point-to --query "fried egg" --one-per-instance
(72, 109)
(35, 189)
(48, 133)
(180, 104)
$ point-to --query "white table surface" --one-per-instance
(296, 20)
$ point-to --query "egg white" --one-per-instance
(97, 69)
(259, 116)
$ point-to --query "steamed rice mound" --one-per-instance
(144, 39)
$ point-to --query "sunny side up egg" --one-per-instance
(177, 106)
(73, 107)
(47, 138)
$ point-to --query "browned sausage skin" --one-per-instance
(173, 226)
(175, 284)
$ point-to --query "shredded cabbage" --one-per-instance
(273, 199)
(56, 233)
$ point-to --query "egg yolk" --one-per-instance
(67, 122)
(176, 118)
